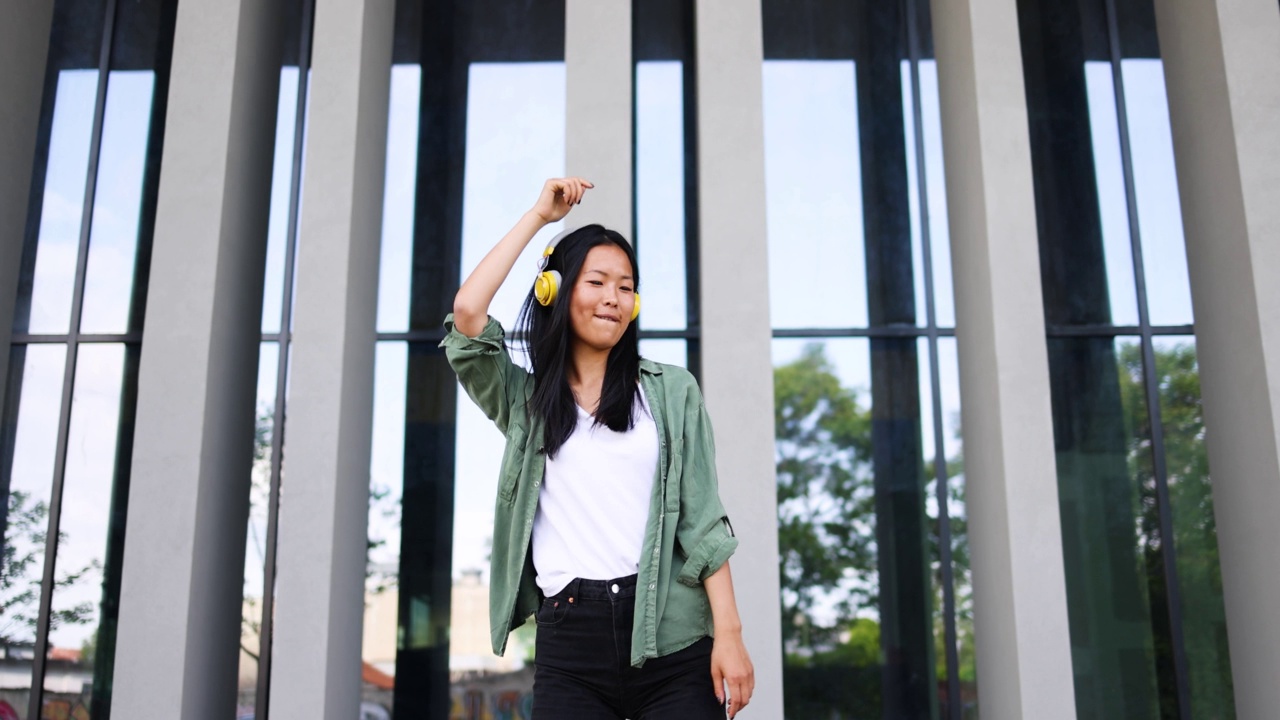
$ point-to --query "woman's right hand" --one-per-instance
(558, 197)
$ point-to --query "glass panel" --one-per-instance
(1113, 207)
(660, 193)
(281, 181)
(1155, 180)
(952, 445)
(856, 589)
(32, 433)
(382, 596)
(826, 529)
(255, 555)
(813, 198)
(1081, 206)
(515, 140)
(63, 204)
(117, 205)
(1204, 621)
(78, 593)
(671, 352)
(1110, 528)
(398, 202)
(936, 186)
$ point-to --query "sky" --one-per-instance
(515, 140)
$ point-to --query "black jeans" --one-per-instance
(582, 663)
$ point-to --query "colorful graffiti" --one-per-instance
(472, 704)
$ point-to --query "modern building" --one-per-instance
(983, 296)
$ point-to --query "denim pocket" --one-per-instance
(552, 611)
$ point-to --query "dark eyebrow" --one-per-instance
(601, 272)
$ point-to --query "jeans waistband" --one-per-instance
(615, 589)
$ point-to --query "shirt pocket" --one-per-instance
(512, 462)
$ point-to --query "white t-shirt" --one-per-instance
(594, 502)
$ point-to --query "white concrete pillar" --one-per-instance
(1020, 596)
(179, 633)
(1222, 73)
(737, 365)
(325, 488)
(24, 50)
(598, 141)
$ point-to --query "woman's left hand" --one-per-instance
(730, 665)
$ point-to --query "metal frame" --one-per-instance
(72, 341)
(283, 339)
(1173, 595)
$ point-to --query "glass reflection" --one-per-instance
(1204, 623)
(396, 266)
(1113, 209)
(1155, 181)
(281, 186)
(33, 430)
(1110, 529)
(76, 611)
(117, 202)
(831, 620)
(813, 199)
(671, 352)
(660, 193)
(62, 207)
(256, 540)
(935, 210)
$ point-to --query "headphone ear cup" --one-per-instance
(546, 287)
(635, 309)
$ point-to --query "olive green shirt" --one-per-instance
(687, 536)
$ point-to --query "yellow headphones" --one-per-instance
(547, 285)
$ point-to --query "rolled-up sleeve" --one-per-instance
(704, 531)
(484, 369)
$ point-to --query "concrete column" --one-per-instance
(1023, 644)
(24, 50)
(325, 490)
(1222, 71)
(180, 605)
(737, 366)
(598, 142)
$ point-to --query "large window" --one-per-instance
(67, 425)
(257, 608)
(476, 125)
(1148, 627)
(876, 598)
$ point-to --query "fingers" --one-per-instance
(572, 189)
(740, 694)
(717, 682)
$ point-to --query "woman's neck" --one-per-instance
(586, 376)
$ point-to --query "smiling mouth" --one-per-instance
(610, 318)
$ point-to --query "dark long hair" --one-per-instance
(548, 334)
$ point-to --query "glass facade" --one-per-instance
(877, 597)
(876, 600)
(1148, 626)
(67, 425)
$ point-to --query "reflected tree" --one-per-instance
(1194, 530)
(20, 575)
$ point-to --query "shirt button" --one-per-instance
(652, 586)
(614, 588)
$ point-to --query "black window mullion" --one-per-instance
(266, 625)
(39, 660)
(1173, 595)
(942, 485)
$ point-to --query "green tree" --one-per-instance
(1194, 531)
(20, 574)
(826, 501)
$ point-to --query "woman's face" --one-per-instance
(602, 298)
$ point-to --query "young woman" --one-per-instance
(608, 524)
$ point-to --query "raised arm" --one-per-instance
(471, 304)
